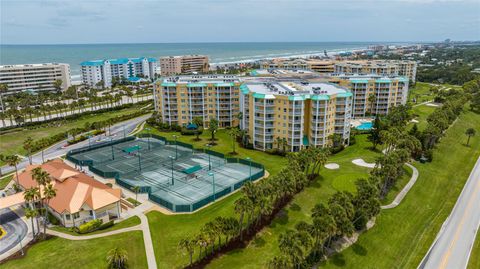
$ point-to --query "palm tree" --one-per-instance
(31, 213)
(14, 160)
(31, 195)
(49, 192)
(199, 122)
(28, 145)
(213, 127)
(469, 132)
(234, 133)
(372, 99)
(117, 259)
(241, 207)
(136, 189)
(188, 245)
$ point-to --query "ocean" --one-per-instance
(218, 52)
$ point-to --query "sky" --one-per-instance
(162, 21)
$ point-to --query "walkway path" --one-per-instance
(143, 226)
(405, 189)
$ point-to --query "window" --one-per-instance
(67, 216)
(76, 215)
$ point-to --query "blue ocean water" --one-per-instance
(218, 52)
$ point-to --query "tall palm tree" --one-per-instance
(28, 146)
(136, 189)
(31, 196)
(14, 160)
(49, 192)
(241, 207)
(31, 213)
(188, 245)
(234, 133)
(117, 259)
(469, 132)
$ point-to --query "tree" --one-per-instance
(136, 189)
(49, 192)
(188, 245)
(117, 259)
(57, 84)
(31, 213)
(14, 160)
(469, 132)
(234, 133)
(372, 99)
(199, 122)
(213, 127)
(242, 205)
(374, 135)
(28, 145)
(3, 89)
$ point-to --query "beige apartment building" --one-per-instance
(294, 112)
(317, 65)
(185, 64)
(34, 77)
(180, 99)
(378, 67)
(373, 94)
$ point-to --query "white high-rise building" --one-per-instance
(34, 77)
(104, 71)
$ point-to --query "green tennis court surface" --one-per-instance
(175, 176)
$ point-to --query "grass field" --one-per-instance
(402, 235)
(5, 180)
(421, 91)
(474, 262)
(85, 254)
(130, 222)
(421, 113)
(12, 142)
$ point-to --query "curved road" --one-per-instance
(454, 242)
(56, 150)
(14, 226)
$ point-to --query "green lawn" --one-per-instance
(474, 262)
(62, 253)
(5, 180)
(420, 114)
(402, 235)
(12, 142)
(265, 246)
(421, 91)
(130, 222)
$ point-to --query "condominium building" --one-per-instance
(317, 65)
(373, 94)
(378, 67)
(182, 98)
(185, 64)
(294, 112)
(34, 77)
(103, 71)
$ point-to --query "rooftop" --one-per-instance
(74, 188)
(117, 61)
(293, 88)
(199, 79)
(30, 65)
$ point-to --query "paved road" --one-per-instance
(117, 131)
(452, 247)
(14, 226)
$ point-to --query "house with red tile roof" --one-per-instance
(80, 198)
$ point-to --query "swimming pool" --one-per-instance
(364, 126)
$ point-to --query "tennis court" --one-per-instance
(174, 175)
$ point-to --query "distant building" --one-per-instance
(34, 77)
(94, 72)
(185, 64)
(386, 92)
(378, 67)
(180, 99)
(294, 114)
(317, 65)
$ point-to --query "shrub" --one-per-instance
(186, 131)
(52, 219)
(90, 226)
(106, 225)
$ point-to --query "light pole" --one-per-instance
(213, 183)
(176, 149)
(148, 138)
(250, 165)
(209, 162)
(171, 159)
(124, 133)
(139, 161)
(113, 155)
(89, 142)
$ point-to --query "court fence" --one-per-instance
(148, 189)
